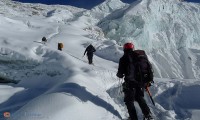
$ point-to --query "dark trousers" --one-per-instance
(135, 94)
(90, 57)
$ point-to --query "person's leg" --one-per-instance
(131, 110)
(142, 103)
(129, 102)
(90, 58)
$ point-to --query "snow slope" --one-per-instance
(61, 85)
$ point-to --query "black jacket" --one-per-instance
(90, 49)
(124, 67)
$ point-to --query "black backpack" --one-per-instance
(139, 68)
(44, 39)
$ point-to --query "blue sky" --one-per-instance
(80, 3)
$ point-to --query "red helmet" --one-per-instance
(128, 46)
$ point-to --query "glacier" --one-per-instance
(61, 85)
(167, 30)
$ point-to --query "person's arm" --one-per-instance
(121, 70)
(94, 50)
(85, 51)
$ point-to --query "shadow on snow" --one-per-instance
(81, 93)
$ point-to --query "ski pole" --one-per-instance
(147, 89)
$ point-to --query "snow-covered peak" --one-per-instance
(106, 8)
(109, 6)
(151, 18)
(13, 8)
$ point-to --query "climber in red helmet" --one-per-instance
(134, 80)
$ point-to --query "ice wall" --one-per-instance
(167, 29)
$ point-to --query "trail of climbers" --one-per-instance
(106, 75)
(99, 66)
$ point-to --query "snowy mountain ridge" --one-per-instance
(13, 8)
(61, 85)
(106, 8)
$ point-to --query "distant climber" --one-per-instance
(90, 51)
(60, 46)
(134, 67)
(44, 40)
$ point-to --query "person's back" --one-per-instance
(90, 50)
(44, 39)
(60, 46)
(132, 87)
(125, 60)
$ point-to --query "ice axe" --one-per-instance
(147, 89)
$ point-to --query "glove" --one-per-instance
(120, 75)
(147, 84)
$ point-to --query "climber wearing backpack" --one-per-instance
(90, 50)
(44, 40)
(60, 46)
(135, 68)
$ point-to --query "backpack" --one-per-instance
(139, 68)
(44, 39)
(60, 45)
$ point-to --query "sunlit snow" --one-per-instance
(61, 85)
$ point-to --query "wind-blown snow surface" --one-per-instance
(60, 85)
